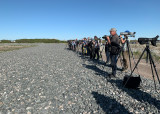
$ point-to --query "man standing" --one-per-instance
(107, 51)
(114, 42)
(97, 47)
(85, 46)
(77, 45)
(90, 47)
(125, 52)
(73, 45)
(88, 51)
(82, 46)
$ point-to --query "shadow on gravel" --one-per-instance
(137, 94)
(87, 58)
(109, 105)
(96, 69)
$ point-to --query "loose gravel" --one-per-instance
(49, 79)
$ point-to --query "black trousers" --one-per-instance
(91, 52)
(114, 64)
(96, 53)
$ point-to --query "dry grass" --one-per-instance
(137, 51)
(4, 48)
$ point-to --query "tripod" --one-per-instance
(152, 64)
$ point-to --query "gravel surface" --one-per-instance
(49, 79)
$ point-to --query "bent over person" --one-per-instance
(115, 47)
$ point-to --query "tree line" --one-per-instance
(33, 41)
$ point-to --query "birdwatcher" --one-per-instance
(107, 51)
(125, 52)
(97, 47)
(114, 41)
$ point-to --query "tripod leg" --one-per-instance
(147, 57)
(154, 66)
(132, 55)
(129, 55)
(151, 63)
(138, 61)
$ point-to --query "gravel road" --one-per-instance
(49, 79)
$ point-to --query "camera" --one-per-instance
(105, 36)
(128, 33)
(147, 40)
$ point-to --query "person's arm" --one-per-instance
(108, 39)
(122, 40)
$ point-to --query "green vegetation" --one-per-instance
(34, 41)
(39, 41)
(5, 41)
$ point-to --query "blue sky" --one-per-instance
(69, 19)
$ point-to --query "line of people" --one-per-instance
(87, 46)
(113, 48)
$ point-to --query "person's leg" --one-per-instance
(108, 56)
(98, 53)
(125, 65)
(84, 50)
(114, 64)
(126, 59)
(90, 52)
(115, 67)
(94, 53)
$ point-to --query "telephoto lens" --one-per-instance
(105, 36)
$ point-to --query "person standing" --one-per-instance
(114, 41)
(90, 47)
(125, 52)
(107, 51)
(97, 47)
(82, 46)
(77, 45)
(85, 47)
(73, 45)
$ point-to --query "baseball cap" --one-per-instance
(113, 29)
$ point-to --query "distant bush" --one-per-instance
(5, 41)
(34, 41)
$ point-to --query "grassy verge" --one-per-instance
(4, 48)
(138, 54)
